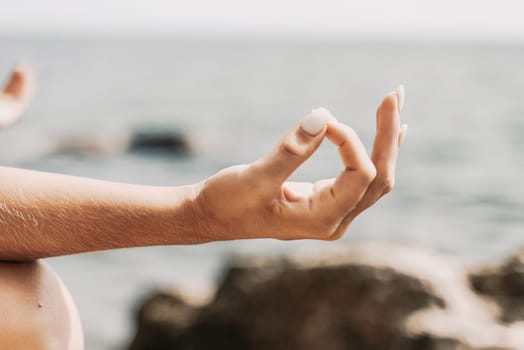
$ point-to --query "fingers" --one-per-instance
(337, 198)
(325, 209)
(384, 156)
(296, 146)
(359, 170)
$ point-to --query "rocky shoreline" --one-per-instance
(368, 296)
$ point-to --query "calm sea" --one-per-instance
(460, 188)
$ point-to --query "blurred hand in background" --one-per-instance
(16, 94)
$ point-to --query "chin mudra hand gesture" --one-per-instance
(44, 214)
(256, 201)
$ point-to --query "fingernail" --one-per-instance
(403, 133)
(315, 121)
(400, 95)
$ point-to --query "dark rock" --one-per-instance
(162, 319)
(504, 284)
(147, 140)
(164, 141)
(367, 298)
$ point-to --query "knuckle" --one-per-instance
(368, 173)
(349, 132)
(387, 183)
(289, 149)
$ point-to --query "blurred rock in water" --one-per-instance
(503, 283)
(164, 141)
(149, 140)
(368, 297)
(159, 140)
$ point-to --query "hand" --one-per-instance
(16, 94)
(255, 201)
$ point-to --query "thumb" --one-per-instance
(295, 147)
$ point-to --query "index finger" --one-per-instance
(350, 185)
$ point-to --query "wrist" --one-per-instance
(180, 215)
(202, 221)
(210, 222)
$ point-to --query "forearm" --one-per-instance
(43, 214)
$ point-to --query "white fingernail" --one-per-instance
(326, 111)
(403, 133)
(400, 94)
(315, 121)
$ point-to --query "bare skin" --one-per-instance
(36, 309)
(44, 215)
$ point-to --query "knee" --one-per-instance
(37, 311)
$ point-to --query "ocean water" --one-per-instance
(459, 190)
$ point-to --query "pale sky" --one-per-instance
(443, 18)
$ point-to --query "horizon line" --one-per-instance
(288, 35)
